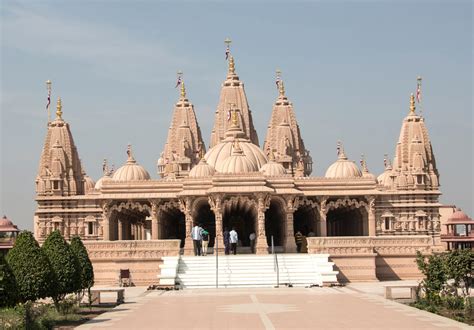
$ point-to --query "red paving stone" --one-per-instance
(285, 308)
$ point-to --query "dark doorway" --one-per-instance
(173, 225)
(346, 221)
(207, 219)
(275, 223)
(304, 220)
(240, 216)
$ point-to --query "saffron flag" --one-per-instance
(178, 82)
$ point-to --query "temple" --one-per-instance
(371, 226)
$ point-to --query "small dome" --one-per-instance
(217, 155)
(343, 168)
(131, 171)
(89, 184)
(7, 225)
(385, 179)
(203, 169)
(100, 182)
(238, 162)
(458, 217)
(273, 169)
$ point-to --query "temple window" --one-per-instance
(90, 228)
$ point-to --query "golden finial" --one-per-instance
(279, 83)
(412, 104)
(59, 109)
(183, 90)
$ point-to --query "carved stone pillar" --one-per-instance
(371, 216)
(185, 206)
(261, 246)
(216, 207)
(323, 231)
(291, 206)
(155, 221)
(106, 221)
(120, 228)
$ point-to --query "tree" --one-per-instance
(64, 265)
(8, 287)
(459, 264)
(434, 271)
(31, 268)
(86, 269)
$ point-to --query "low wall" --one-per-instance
(142, 258)
(373, 258)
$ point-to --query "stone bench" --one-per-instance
(413, 291)
(95, 295)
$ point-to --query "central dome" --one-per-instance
(238, 162)
(217, 155)
(131, 171)
(343, 167)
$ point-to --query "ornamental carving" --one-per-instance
(344, 202)
(129, 205)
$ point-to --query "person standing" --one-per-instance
(205, 241)
(252, 242)
(196, 235)
(226, 240)
(298, 241)
(234, 238)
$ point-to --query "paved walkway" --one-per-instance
(357, 306)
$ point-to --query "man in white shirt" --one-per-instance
(196, 235)
(234, 238)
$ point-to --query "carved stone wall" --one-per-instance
(142, 258)
(371, 258)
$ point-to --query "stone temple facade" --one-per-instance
(350, 212)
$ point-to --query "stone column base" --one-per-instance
(290, 245)
(261, 246)
(221, 247)
(188, 249)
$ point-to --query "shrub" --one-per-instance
(435, 275)
(31, 268)
(87, 271)
(8, 287)
(64, 264)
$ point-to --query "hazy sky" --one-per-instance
(348, 67)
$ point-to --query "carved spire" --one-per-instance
(414, 163)
(60, 171)
(232, 92)
(184, 142)
(284, 137)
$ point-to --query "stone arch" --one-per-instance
(172, 221)
(275, 220)
(203, 214)
(128, 220)
(306, 217)
(240, 212)
(347, 217)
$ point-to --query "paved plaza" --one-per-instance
(356, 306)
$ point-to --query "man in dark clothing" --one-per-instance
(226, 241)
(299, 241)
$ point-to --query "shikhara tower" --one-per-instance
(371, 227)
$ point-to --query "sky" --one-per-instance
(348, 66)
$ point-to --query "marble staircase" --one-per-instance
(255, 270)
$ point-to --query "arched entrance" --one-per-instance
(173, 224)
(203, 215)
(304, 220)
(128, 221)
(275, 218)
(347, 221)
(241, 214)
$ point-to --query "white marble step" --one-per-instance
(255, 270)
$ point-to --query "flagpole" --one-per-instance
(48, 87)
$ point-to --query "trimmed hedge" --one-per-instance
(87, 271)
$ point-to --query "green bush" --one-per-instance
(434, 270)
(8, 287)
(64, 264)
(87, 271)
(31, 268)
